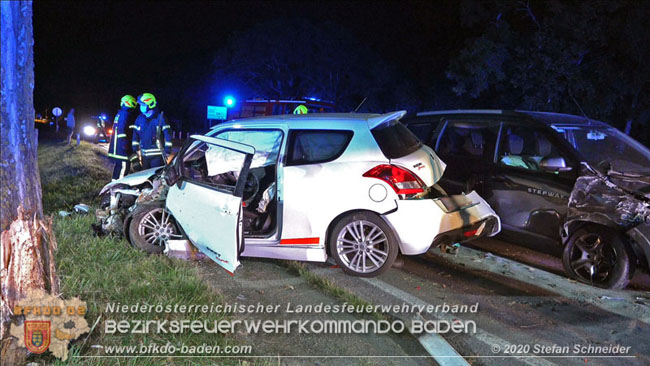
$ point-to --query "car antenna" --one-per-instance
(360, 104)
(580, 108)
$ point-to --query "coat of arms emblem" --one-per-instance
(37, 335)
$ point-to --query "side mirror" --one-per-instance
(554, 165)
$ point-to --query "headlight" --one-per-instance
(89, 130)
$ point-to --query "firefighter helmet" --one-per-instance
(301, 109)
(147, 99)
(129, 101)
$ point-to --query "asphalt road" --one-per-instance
(527, 315)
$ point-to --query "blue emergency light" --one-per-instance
(229, 101)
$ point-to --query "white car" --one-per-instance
(358, 187)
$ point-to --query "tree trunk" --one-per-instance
(27, 243)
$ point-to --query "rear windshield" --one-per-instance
(395, 140)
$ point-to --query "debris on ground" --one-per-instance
(182, 249)
(82, 208)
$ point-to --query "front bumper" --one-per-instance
(419, 224)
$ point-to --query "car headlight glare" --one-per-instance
(89, 130)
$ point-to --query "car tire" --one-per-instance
(151, 226)
(598, 256)
(363, 245)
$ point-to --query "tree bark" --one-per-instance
(27, 243)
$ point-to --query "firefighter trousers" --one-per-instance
(121, 168)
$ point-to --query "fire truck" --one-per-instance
(268, 107)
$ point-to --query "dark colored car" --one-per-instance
(562, 184)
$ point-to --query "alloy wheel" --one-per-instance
(593, 258)
(157, 226)
(362, 246)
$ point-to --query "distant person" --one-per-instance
(151, 133)
(72, 126)
(101, 129)
(119, 148)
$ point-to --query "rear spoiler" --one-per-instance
(383, 118)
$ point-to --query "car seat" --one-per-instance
(542, 149)
(515, 145)
(474, 143)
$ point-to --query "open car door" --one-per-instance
(206, 200)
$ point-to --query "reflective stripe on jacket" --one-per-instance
(120, 144)
(145, 132)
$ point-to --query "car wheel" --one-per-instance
(597, 256)
(362, 244)
(150, 228)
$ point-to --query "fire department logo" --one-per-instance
(50, 323)
(37, 336)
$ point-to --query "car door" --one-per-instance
(467, 147)
(529, 194)
(206, 200)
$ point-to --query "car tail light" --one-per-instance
(401, 180)
(470, 233)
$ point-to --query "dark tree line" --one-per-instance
(298, 58)
(577, 57)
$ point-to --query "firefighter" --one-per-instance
(151, 133)
(119, 148)
(301, 109)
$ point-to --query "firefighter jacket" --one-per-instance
(120, 145)
(146, 133)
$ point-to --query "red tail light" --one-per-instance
(401, 180)
(470, 233)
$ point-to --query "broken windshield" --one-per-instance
(607, 148)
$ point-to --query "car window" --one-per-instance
(422, 130)
(212, 165)
(468, 139)
(395, 140)
(525, 147)
(266, 143)
(316, 146)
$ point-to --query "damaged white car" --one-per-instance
(358, 187)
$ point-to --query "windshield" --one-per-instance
(603, 147)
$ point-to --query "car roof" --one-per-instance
(334, 120)
(547, 118)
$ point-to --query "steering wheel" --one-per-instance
(251, 187)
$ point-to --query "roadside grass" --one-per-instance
(71, 174)
(103, 270)
(330, 288)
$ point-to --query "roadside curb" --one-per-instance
(621, 302)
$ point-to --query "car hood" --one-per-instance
(134, 179)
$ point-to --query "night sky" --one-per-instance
(89, 53)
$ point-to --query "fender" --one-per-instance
(640, 236)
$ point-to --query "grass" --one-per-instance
(71, 174)
(107, 269)
(330, 288)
